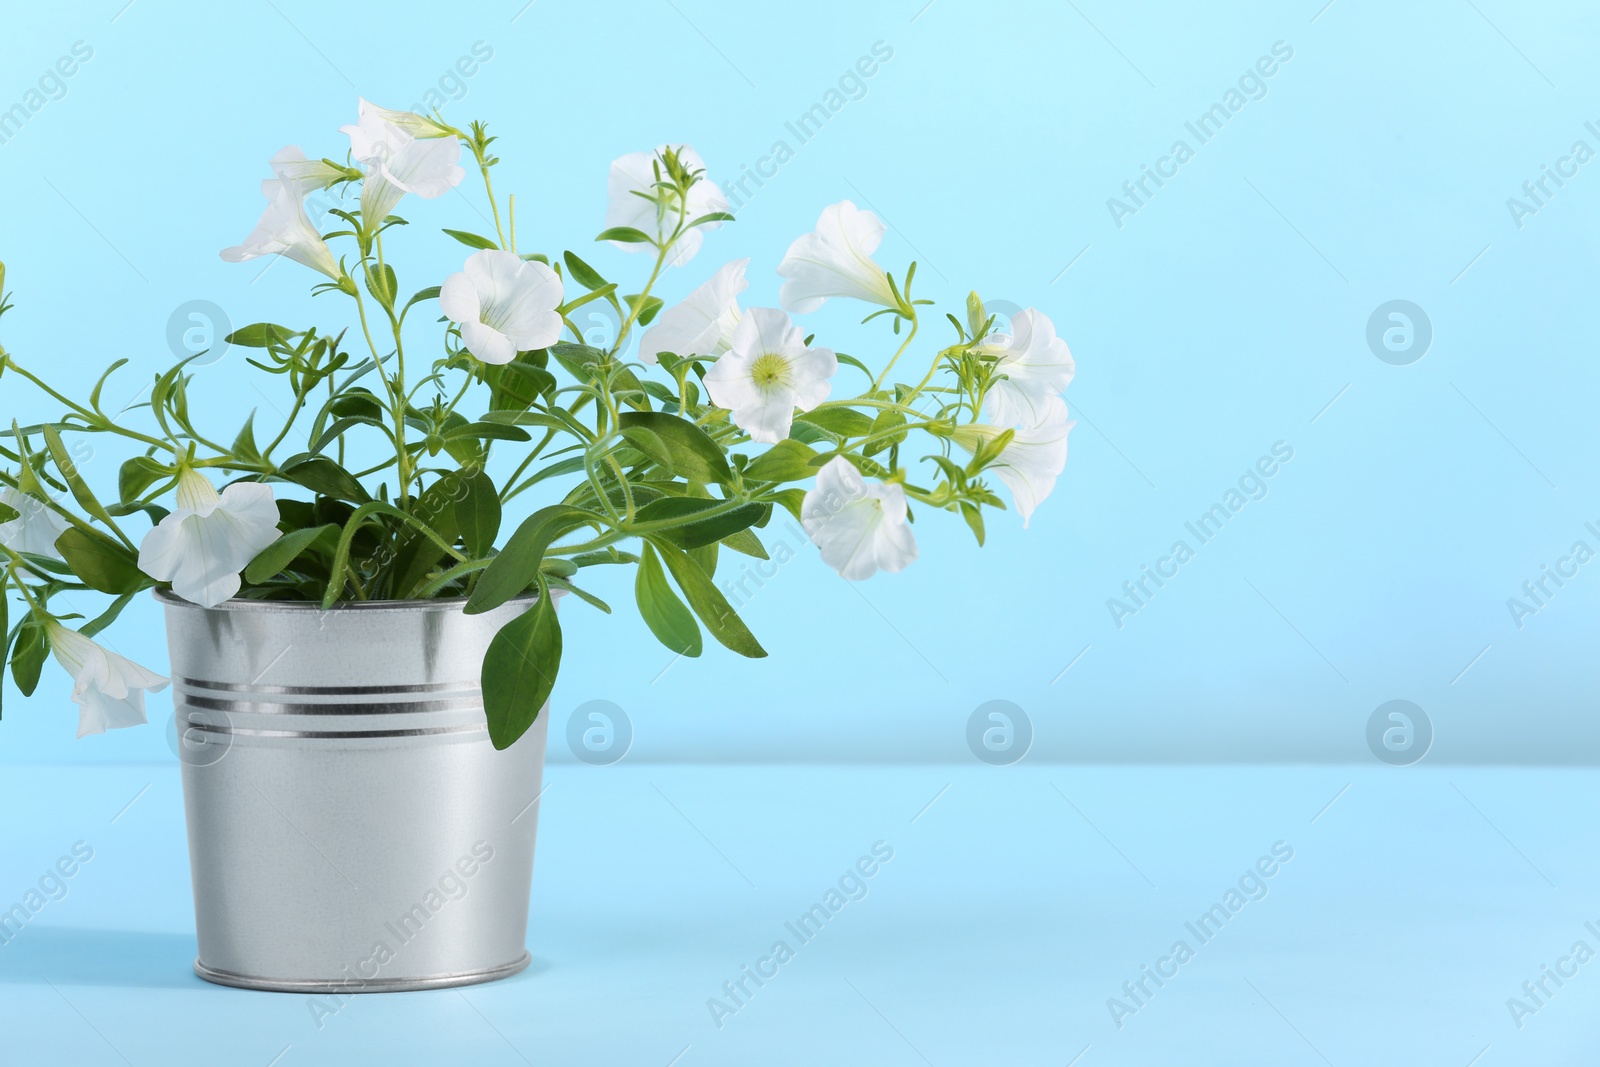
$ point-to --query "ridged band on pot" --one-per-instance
(351, 828)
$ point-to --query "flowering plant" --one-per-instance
(390, 495)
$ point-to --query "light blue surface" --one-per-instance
(1228, 313)
(1017, 903)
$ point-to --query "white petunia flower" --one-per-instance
(290, 165)
(284, 230)
(703, 324)
(108, 689)
(403, 153)
(636, 202)
(860, 528)
(35, 528)
(767, 372)
(1037, 366)
(504, 304)
(202, 547)
(836, 260)
(1034, 458)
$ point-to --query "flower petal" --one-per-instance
(488, 343)
(836, 260)
(859, 529)
(632, 202)
(202, 555)
(458, 299)
(695, 327)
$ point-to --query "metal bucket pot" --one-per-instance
(351, 828)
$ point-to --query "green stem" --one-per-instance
(661, 260)
(488, 188)
(937, 360)
(396, 389)
(460, 570)
(622, 480)
(49, 502)
(294, 413)
(18, 561)
(877, 382)
(341, 556)
(95, 419)
(506, 494)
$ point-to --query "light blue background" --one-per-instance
(1221, 318)
(1228, 314)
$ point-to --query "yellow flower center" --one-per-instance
(770, 371)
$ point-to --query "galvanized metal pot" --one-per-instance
(351, 829)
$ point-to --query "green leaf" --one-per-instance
(339, 573)
(810, 435)
(27, 657)
(101, 563)
(706, 557)
(601, 558)
(571, 465)
(653, 447)
(886, 421)
(556, 567)
(342, 426)
(854, 362)
(471, 240)
(382, 284)
(582, 273)
(627, 235)
(322, 475)
(430, 293)
(707, 601)
(94, 394)
(661, 391)
(520, 669)
(579, 360)
(478, 515)
(582, 594)
(691, 454)
(106, 617)
(8, 514)
(974, 516)
(651, 305)
(518, 563)
(357, 403)
(668, 618)
(787, 461)
(492, 431)
(869, 467)
(282, 552)
(417, 554)
(694, 533)
(260, 335)
(791, 500)
(244, 445)
(526, 418)
(747, 543)
(715, 216)
(516, 385)
(69, 470)
(843, 422)
(592, 295)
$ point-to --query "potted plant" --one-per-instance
(360, 644)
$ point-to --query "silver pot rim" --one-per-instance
(170, 599)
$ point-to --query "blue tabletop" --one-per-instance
(1023, 915)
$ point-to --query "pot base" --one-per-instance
(376, 985)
